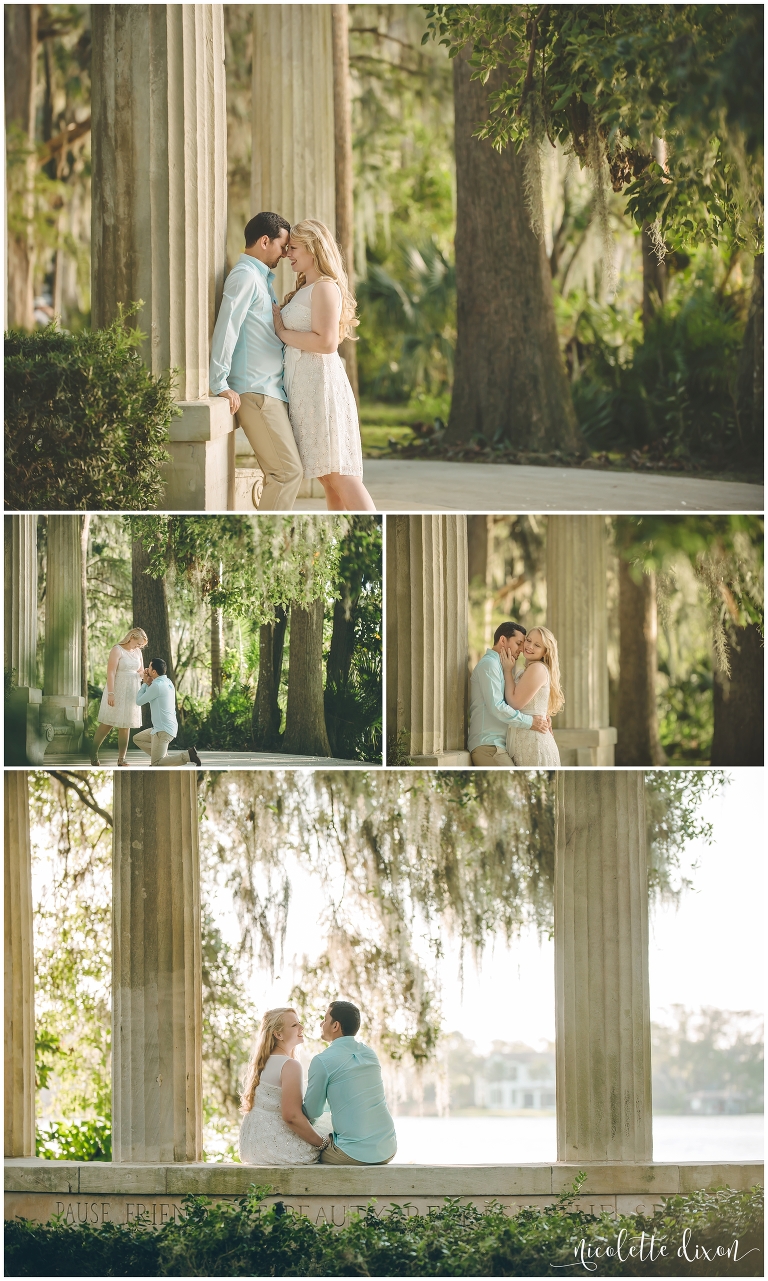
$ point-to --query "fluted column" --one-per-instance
(19, 1084)
(602, 999)
(427, 629)
(21, 598)
(156, 970)
(63, 704)
(159, 214)
(577, 566)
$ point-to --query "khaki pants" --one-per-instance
(155, 744)
(487, 754)
(334, 1156)
(265, 421)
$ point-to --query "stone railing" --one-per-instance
(99, 1192)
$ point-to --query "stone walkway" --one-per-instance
(211, 760)
(414, 485)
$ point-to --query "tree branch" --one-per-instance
(84, 791)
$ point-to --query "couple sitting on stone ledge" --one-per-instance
(279, 1125)
(511, 710)
(280, 369)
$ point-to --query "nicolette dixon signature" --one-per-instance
(646, 1249)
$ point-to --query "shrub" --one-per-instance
(75, 1140)
(246, 1238)
(85, 422)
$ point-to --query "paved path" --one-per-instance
(211, 760)
(416, 485)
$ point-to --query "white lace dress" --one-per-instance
(527, 746)
(321, 403)
(125, 714)
(265, 1139)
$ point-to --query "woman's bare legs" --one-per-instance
(350, 493)
(102, 731)
(332, 499)
(122, 744)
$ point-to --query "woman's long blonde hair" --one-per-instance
(135, 633)
(316, 237)
(552, 664)
(271, 1024)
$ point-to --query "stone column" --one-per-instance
(19, 973)
(427, 637)
(602, 1000)
(63, 705)
(577, 566)
(159, 215)
(157, 1010)
(23, 742)
(292, 155)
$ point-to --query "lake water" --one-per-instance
(508, 1140)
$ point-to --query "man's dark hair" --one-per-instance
(506, 630)
(265, 224)
(347, 1014)
(159, 665)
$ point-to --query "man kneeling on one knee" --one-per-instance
(158, 692)
(489, 713)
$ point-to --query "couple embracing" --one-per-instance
(280, 370)
(280, 1121)
(511, 707)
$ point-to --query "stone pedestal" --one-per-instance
(63, 706)
(19, 1081)
(577, 566)
(427, 628)
(23, 744)
(156, 970)
(159, 213)
(602, 1000)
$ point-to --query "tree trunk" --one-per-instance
(150, 611)
(749, 382)
(477, 550)
(510, 385)
(217, 644)
(20, 31)
(342, 119)
(266, 709)
(305, 731)
(85, 522)
(738, 700)
(654, 278)
(638, 729)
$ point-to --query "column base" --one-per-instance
(62, 719)
(445, 760)
(587, 747)
(25, 740)
(201, 473)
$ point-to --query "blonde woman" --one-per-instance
(274, 1129)
(125, 669)
(537, 693)
(316, 316)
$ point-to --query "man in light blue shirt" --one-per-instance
(158, 691)
(247, 360)
(348, 1077)
(489, 714)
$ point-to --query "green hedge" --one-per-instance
(246, 1238)
(85, 422)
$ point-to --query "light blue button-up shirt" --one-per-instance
(246, 353)
(489, 714)
(348, 1076)
(161, 697)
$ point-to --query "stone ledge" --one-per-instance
(225, 1179)
(444, 760)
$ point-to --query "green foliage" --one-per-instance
(686, 715)
(77, 1141)
(708, 1050)
(85, 421)
(223, 724)
(671, 390)
(250, 1238)
(353, 715)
